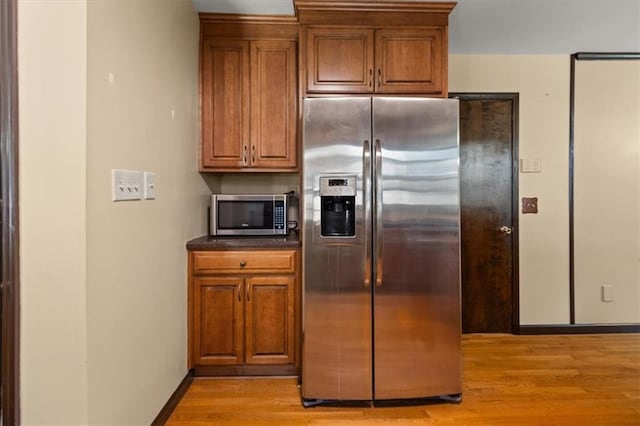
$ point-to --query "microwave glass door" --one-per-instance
(234, 215)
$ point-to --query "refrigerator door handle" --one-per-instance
(366, 187)
(377, 172)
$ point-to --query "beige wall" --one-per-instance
(103, 302)
(104, 284)
(247, 183)
(52, 56)
(136, 256)
(607, 191)
(543, 84)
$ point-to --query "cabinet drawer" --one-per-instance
(277, 261)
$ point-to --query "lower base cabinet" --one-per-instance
(243, 312)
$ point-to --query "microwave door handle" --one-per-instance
(366, 185)
(213, 217)
(377, 172)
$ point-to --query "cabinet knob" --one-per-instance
(243, 264)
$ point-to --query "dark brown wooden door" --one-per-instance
(488, 216)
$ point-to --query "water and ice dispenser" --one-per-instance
(338, 206)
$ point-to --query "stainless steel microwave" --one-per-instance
(248, 214)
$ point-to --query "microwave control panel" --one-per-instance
(279, 224)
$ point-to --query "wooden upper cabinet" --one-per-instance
(248, 90)
(339, 60)
(225, 109)
(366, 60)
(410, 61)
(374, 47)
(273, 104)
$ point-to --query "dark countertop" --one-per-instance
(207, 242)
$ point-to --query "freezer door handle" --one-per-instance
(366, 189)
(377, 172)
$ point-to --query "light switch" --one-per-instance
(149, 186)
(530, 165)
(126, 185)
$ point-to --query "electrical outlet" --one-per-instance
(126, 185)
(607, 293)
(149, 186)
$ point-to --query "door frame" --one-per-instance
(583, 56)
(10, 287)
(515, 248)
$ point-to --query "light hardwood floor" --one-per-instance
(508, 380)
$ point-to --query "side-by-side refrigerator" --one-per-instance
(381, 249)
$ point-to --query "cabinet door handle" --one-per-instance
(253, 154)
(370, 77)
(379, 78)
(248, 290)
(244, 157)
(240, 292)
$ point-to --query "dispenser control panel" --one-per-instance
(337, 186)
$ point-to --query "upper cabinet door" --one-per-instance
(340, 60)
(225, 111)
(411, 61)
(273, 104)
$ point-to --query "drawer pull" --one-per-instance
(243, 263)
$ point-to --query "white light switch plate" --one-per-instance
(530, 165)
(149, 186)
(126, 185)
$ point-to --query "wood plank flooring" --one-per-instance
(508, 380)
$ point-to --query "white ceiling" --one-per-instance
(509, 26)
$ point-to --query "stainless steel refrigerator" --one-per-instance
(381, 249)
